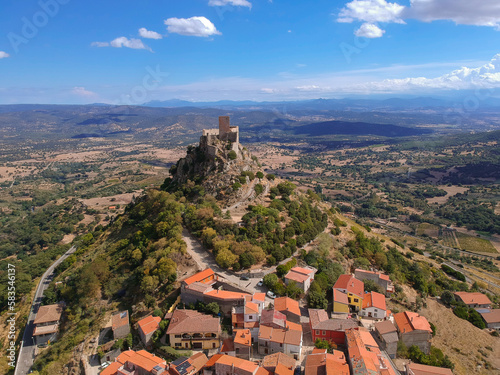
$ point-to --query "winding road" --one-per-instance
(26, 355)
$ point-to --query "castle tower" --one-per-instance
(224, 127)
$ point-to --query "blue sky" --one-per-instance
(129, 52)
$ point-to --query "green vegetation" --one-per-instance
(475, 244)
(450, 271)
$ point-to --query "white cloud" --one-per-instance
(267, 90)
(99, 44)
(145, 33)
(371, 11)
(194, 26)
(4, 55)
(82, 92)
(369, 30)
(219, 3)
(123, 42)
(128, 43)
(463, 12)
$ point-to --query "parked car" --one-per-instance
(271, 294)
(244, 277)
(261, 282)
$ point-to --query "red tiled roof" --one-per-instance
(238, 363)
(473, 298)
(251, 308)
(226, 295)
(262, 371)
(287, 304)
(351, 284)
(294, 326)
(190, 321)
(269, 317)
(374, 299)
(243, 337)
(227, 345)
(340, 297)
(237, 319)
(316, 316)
(112, 369)
(491, 317)
(385, 326)
(142, 359)
(48, 313)
(417, 369)
(149, 324)
(259, 297)
(280, 335)
(120, 319)
(272, 360)
(296, 276)
(199, 276)
(409, 321)
(212, 360)
(281, 369)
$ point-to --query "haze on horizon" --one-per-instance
(124, 52)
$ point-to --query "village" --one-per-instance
(277, 336)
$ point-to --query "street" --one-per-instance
(26, 355)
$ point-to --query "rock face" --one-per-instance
(216, 163)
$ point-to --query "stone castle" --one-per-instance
(226, 133)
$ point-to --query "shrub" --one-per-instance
(259, 174)
(259, 189)
(232, 155)
(236, 186)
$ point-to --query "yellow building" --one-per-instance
(189, 329)
(353, 288)
(340, 302)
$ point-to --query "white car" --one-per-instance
(271, 294)
(261, 282)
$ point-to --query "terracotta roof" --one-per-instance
(319, 321)
(199, 276)
(226, 295)
(409, 321)
(280, 335)
(212, 360)
(316, 316)
(112, 369)
(417, 369)
(336, 364)
(238, 363)
(364, 361)
(199, 287)
(242, 337)
(351, 284)
(294, 326)
(269, 317)
(367, 338)
(251, 324)
(385, 326)
(185, 366)
(473, 298)
(149, 324)
(49, 313)
(190, 321)
(198, 360)
(272, 360)
(295, 276)
(340, 297)
(491, 317)
(286, 304)
(120, 319)
(44, 330)
(299, 274)
(374, 299)
(281, 369)
(142, 359)
(322, 363)
(251, 308)
(262, 371)
(259, 297)
(227, 345)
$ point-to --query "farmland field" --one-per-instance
(474, 244)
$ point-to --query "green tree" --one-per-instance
(270, 280)
(317, 300)
(212, 308)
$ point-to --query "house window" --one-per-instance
(349, 298)
(317, 332)
(177, 336)
(177, 344)
(250, 317)
(281, 345)
(323, 333)
(356, 300)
